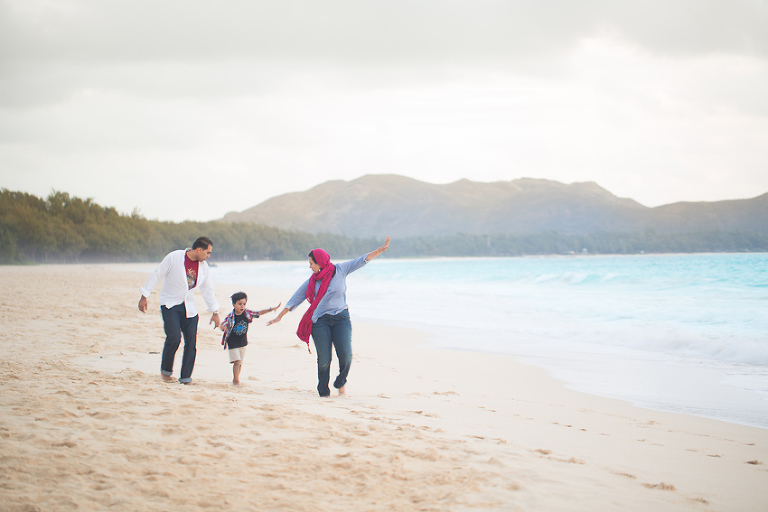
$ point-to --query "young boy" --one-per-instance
(235, 327)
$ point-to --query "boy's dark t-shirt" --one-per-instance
(239, 335)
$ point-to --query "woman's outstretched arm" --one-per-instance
(378, 251)
(280, 316)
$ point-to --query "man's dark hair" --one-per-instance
(202, 243)
(238, 296)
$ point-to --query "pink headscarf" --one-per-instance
(326, 273)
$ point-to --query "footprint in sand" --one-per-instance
(99, 415)
(65, 444)
(661, 486)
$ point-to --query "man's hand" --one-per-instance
(215, 321)
(143, 304)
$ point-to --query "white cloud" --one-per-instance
(192, 109)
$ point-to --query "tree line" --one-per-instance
(66, 229)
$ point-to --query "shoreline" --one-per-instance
(423, 428)
(664, 377)
(708, 376)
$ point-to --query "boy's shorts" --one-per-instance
(236, 354)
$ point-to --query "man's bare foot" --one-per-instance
(343, 390)
(167, 378)
(190, 383)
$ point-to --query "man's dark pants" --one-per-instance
(176, 324)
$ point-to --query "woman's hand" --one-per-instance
(378, 251)
(278, 317)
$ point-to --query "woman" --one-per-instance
(327, 318)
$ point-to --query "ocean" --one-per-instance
(681, 333)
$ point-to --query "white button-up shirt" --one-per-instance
(175, 289)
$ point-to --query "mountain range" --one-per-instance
(378, 205)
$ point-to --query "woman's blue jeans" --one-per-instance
(332, 330)
(176, 324)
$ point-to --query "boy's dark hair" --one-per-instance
(202, 243)
(238, 296)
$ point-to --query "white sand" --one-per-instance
(87, 424)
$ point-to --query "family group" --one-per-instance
(326, 320)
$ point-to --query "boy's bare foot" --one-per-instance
(167, 378)
(236, 382)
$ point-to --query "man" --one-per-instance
(182, 272)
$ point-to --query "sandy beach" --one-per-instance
(87, 424)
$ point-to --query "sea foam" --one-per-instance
(664, 331)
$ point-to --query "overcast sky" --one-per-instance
(190, 109)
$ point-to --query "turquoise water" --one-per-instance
(684, 333)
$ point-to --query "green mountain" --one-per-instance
(374, 205)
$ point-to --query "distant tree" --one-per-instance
(62, 228)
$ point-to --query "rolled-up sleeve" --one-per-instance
(298, 297)
(350, 266)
